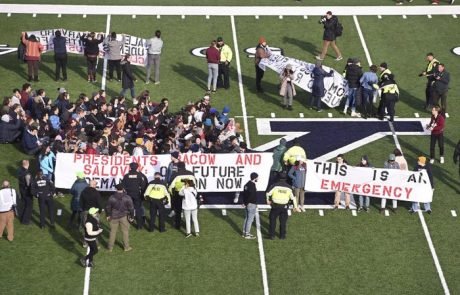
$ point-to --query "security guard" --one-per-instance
(158, 196)
(390, 95)
(25, 183)
(226, 55)
(294, 153)
(44, 190)
(135, 183)
(175, 186)
(429, 74)
(384, 71)
(278, 198)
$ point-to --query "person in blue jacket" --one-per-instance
(317, 91)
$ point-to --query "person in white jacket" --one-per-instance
(190, 207)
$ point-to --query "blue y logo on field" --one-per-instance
(5, 49)
(326, 138)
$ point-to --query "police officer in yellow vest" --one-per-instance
(429, 74)
(158, 196)
(176, 184)
(390, 95)
(294, 153)
(278, 197)
(384, 70)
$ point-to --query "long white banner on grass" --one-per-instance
(214, 172)
(336, 87)
(381, 183)
(133, 45)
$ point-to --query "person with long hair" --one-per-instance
(32, 55)
(190, 207)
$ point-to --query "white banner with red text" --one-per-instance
(335, 87)
(214, 172)
(133, 45)
(412, 186)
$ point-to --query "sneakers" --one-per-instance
(399, 3)
(289, 108)
(188, 235)
(360, 209)
(157, 83)
(428, 211)
(452, 2)
(83, 262)
(319, 111)
(432, 161)
(171, 214)
(345, 110)
(236, 198)
(249, 237)
(366, 209)
(441, 160)
(319, 57)
(147, 82)
(339, 58)
(197, 234)
(412, 211)
(128, 249)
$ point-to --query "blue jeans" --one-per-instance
(351, 99)
(366, 200)
(250, 214)
(133, 93)
(416, 206)
(316, 99)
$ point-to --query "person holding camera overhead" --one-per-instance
(287, 90)
(331, 32)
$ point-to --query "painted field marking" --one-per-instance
(158, 16)
(429, 15)
(379, 16)
(134, 16)
(280, 17)
(240, 83)
(272, 115)
(34, 15)
(104, 66)
(416, 115)
(263, 266)
(301, 115)
(59, 212)
(84, 15)
(329, 115)
(257, 17)
(404, 16)
(183, 16)
(454, 15)
(454, 213)
(387, 213)
(224, 212)
(447, 115)
(353, 212)
(305, 17)
(207, 16)
(59, 15)
(9, 14)
(321, 212)
(87, 277)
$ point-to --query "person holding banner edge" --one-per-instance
(91, 45)
(340, 160)
(317, 91)
(423, 165)
(390, 164)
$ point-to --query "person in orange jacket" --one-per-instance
(32, 55)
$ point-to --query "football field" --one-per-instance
(326, 251)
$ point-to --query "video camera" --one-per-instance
(322, 20)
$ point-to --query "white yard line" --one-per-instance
(263, 266)
(240, 82)
(104, 69)
(420, 214)
(231, 10)
(87, 276)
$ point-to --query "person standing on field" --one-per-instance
(226, 55)
(429, 71)
(436, 126)
(158, 196)
(92, 231)
(60, 55)
(154, 47)
(262, 51)
(190, 206)
(250, 205)
(113, 47)
(25, 184)
(213, 59)
(7, 209)
(32, 55)
(441, 87)
(298, 174)
(119, 206)
(330, 23)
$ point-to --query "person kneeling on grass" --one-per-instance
(92, 231)
(190, 207)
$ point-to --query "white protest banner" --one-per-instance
(336, 86)
(133, 45)
(375, 182)
(214, 172)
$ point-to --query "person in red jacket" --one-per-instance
(32, 55)
(213, 59)
(436, 126)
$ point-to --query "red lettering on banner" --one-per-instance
(153, 160)
(345, 187)
(198, 159)
(76, 157)
(387, 190)
(87, 169)
(335, 185)
(324, 183)
(366, 188)
(408, 191)
(376, 190)
(397, 192)
(355, 188)
(104, 160)
(248, 159)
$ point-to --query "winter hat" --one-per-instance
(62, 90)
(194, 148)
(80, 175)
(422, 160)
(58, 138)
(212, 110)
(181, 165)
(139, 141)
(391, 157)
(93, 210)
(175, 155)
(254, 175)
(225, 110)
(262, 39)
(208, 122)
(219, 39)
(282, 175)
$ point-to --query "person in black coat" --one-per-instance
(250, 204)
(330, 23)
(127, 77)
(353, 73)
(441, 87)
(10, 130)
(91, 45)
(317, 90)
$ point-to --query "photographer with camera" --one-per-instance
(441, 87)
(287, 90)
(332, 30)
(7, 209)
(429, 72)
(158, 197)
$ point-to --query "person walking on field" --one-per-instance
(127, 77)
(154, 46)
(250, 205)
(436, 126)
(213, 59)
(32, 55)
(330, 23)
(119, 206)
(92, 231)
(190, 207)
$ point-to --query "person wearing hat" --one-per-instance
(389, 96)
(384, 75)
(92, 231)
(119, 210)
(32, 55)
(77, 188)
(8, 209)
(294, 153)
(127, 77)
(262, 51)
(91, 45)
(390, 164)
(10, 130)
(30, 142)
(175, 186)
(429, 72)
(226, 55)
(250, 205)
(330, 23)
(154, 46)
(43, 189)
(423, 165)
(158, 196)
(278, 163)
(279, 195)
(135, 183)
(60, 55)
(287, 89)
(89, 197)
(213, 58)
